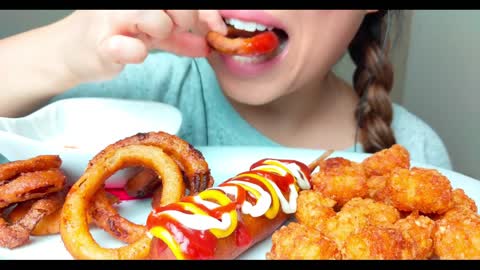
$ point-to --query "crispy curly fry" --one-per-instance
(139, 150)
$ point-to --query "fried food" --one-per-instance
(385, 161)
(417, 231)
(457, 235)
(236, 43)
(357, 214)
(12, 169)
(50, 224)
(377, 188)
(142, 184)
(18, 233)
(105, 216)
(425, 190)
(313, 208)
(374, 243)
(296, 241)
(138, 150)
(406, 213)
(461, 200)
(31, 185)
(340, 179)
(190, 160)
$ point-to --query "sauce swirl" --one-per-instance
(192, 226)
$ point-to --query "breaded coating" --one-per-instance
(313, 209)
(356, 214)
(385, 161)
(461, 200)
(377, 188)
(340, 179)
(425, 190)
(299, 242)
(374, 243)
(417, 231)
(457, 235)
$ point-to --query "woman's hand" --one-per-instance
(102, 42)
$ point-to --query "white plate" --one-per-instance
(224, 162)
(88, 124)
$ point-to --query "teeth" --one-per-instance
(247, 26)
(250, 59)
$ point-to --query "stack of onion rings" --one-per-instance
(38, 181)
(172, 159)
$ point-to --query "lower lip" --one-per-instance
(252, 69)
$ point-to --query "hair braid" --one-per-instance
(373, 81)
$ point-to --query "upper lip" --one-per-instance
(257, 16)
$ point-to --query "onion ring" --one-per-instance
(105, 216)
(50, 224)
(261, 43)
(190, 160)
(18, 233)
(138, 150)
(142, 184)
(12, 169)
(31, 185)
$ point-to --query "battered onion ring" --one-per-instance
(190, 160)
(31, 185)
(139, 150)
(12, 169)
(142, 184)
(18, 233)
(105, 216)
(260, 43)
(50, 224)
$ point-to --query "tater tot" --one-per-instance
(417, 231)
(457, 235)
(425, 190)
(461, 200)
(385, 161)
(313, 209)
(299, 242)
(374, 243)
(340, 179)
(356, 214)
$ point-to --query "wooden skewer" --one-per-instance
(321, 158)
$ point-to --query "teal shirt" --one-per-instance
(209, 119)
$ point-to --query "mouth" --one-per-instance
(249, 41)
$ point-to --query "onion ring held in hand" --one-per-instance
(261, 43)
(138, 150)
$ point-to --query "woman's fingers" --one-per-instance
(121, 50)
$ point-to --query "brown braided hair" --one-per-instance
(373, 81)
